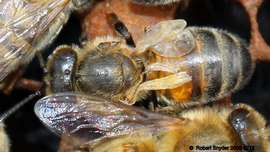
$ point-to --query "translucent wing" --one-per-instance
(168, 39)
(23, 24)
(74, 115)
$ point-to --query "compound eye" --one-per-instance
(249, 127)
(238, 119)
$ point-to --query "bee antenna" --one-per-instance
(19, 105)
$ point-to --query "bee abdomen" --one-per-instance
(222, 59)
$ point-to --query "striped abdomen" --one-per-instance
(219, 64)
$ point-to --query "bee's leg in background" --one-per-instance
(121, 29)
(41, 61)
(168, 82)
(7, 84)
(152, 104)
(163, 104)
(28, 84)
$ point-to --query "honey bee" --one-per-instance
(184, 66)
(4, 140)
(27, 27)
(89, 123)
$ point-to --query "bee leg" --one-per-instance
(165, 105)
(121, 29)
(152, 105)
(6, 85)
(167, 101)
(168, 82)
(41, 61)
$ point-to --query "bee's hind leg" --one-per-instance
(168, 82)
